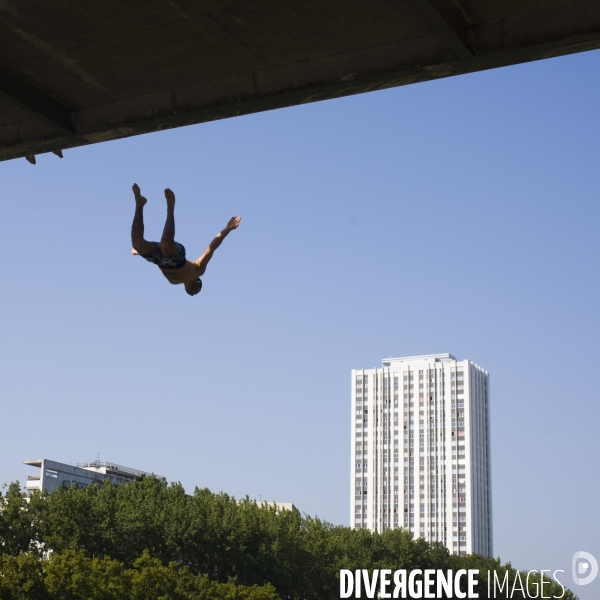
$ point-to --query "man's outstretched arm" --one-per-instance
(208, 253)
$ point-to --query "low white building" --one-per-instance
(53, 474)
(421, 451)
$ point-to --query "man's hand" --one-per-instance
(134, 252)
(233, 223)
(138, 196)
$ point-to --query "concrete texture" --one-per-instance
(75, 73)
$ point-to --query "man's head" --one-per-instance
(193, 287)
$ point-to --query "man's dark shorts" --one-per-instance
(175, 261)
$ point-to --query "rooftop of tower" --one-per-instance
(437, 357)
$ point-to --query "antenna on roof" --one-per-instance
(97, 459)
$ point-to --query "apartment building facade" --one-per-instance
(420, 452)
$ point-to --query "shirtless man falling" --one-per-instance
(169, 255)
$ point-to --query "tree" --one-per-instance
(151, 540)
(22, 577)
(17, 531)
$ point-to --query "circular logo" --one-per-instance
(585, 568)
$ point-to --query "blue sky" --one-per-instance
(456, 216)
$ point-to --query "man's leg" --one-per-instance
(167, 242)
(137, 229)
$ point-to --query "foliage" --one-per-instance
(21, 577)
(151, 541)
(16, 529)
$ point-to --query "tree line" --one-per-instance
(150, 540)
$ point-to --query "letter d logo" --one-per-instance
(582, 561)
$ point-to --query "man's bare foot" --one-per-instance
(233, 223)
(139, 199)
(30, 158)
(135, 252)
(170, 196)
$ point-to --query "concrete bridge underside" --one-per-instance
(75, 73)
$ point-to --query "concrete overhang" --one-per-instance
(75, 73)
